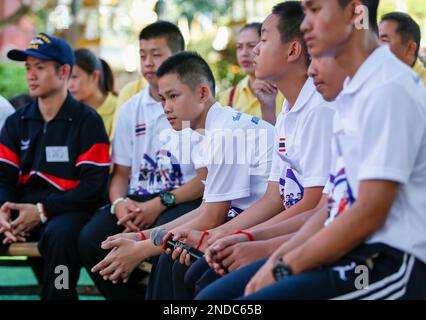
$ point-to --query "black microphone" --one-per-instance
(157, 236)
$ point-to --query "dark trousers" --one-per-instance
(392, 274)
(59, 268)
(103, 225)
(189, 281)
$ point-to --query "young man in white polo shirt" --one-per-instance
(153, 182)
(370, 243)
(237, 153)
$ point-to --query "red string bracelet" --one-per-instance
(205, 233)
(141, 234)
(169, 235)
(248, 234)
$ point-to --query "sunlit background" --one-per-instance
(111, 27)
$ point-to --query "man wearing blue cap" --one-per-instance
(54, 163)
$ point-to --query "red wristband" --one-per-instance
(248, 234)
(141, 234)
(205, 233)
(169, 235)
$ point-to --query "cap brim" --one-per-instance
(21, 55)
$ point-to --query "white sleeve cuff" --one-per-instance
(122, 161)
(315, 182)
(383, 173)
(227, 196)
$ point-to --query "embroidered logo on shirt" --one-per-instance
(255, 120)
(237, 116)
(140, 129)
(25, 144)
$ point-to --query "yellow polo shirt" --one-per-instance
(245, 101)
(420, 70)
(107, 112)
(128, 91)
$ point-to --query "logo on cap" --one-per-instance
(40, 39)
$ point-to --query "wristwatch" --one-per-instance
(167, 198)
(281, 270)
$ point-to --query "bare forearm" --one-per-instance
(212, 215)
(268, 113)
(182, 220)
(289, 226)
(119, 186)
(190, 191)
(313, 199)
(261, 211)
(308, 230)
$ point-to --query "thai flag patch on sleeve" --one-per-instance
(281, 145)
(140, 129)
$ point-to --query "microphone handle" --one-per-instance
(195, 254)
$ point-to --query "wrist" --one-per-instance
(116, 203)
(159, 205)
(281, 270)
(246, 233)
(167, 198)
(41, 211)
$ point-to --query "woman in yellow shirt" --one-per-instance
(92, 82)
(246, 94)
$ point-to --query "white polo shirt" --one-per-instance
(379, 134)
(145, 142)
(302, 151)
(238, 154)
(6, 109)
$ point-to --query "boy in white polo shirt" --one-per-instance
(152, 182)
(370, 243)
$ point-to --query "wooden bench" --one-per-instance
(30, 249)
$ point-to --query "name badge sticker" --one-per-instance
(57, 154)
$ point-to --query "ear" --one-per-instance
(412, 48)
(204, 92)
(96, 75)
(295, 51)
(65, 71)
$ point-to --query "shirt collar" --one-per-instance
(366, 70)
(66, 111)
(147, 98)
(210, 114)
(244, 84)
(303, 98)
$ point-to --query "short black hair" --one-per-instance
(89, 62)
(372, 6)
(257, 26)
(407, 28)
(190, 68)
(167, 30)
(291, 17)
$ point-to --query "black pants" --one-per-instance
(189, 281)
(57, 243)
(103, 225)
